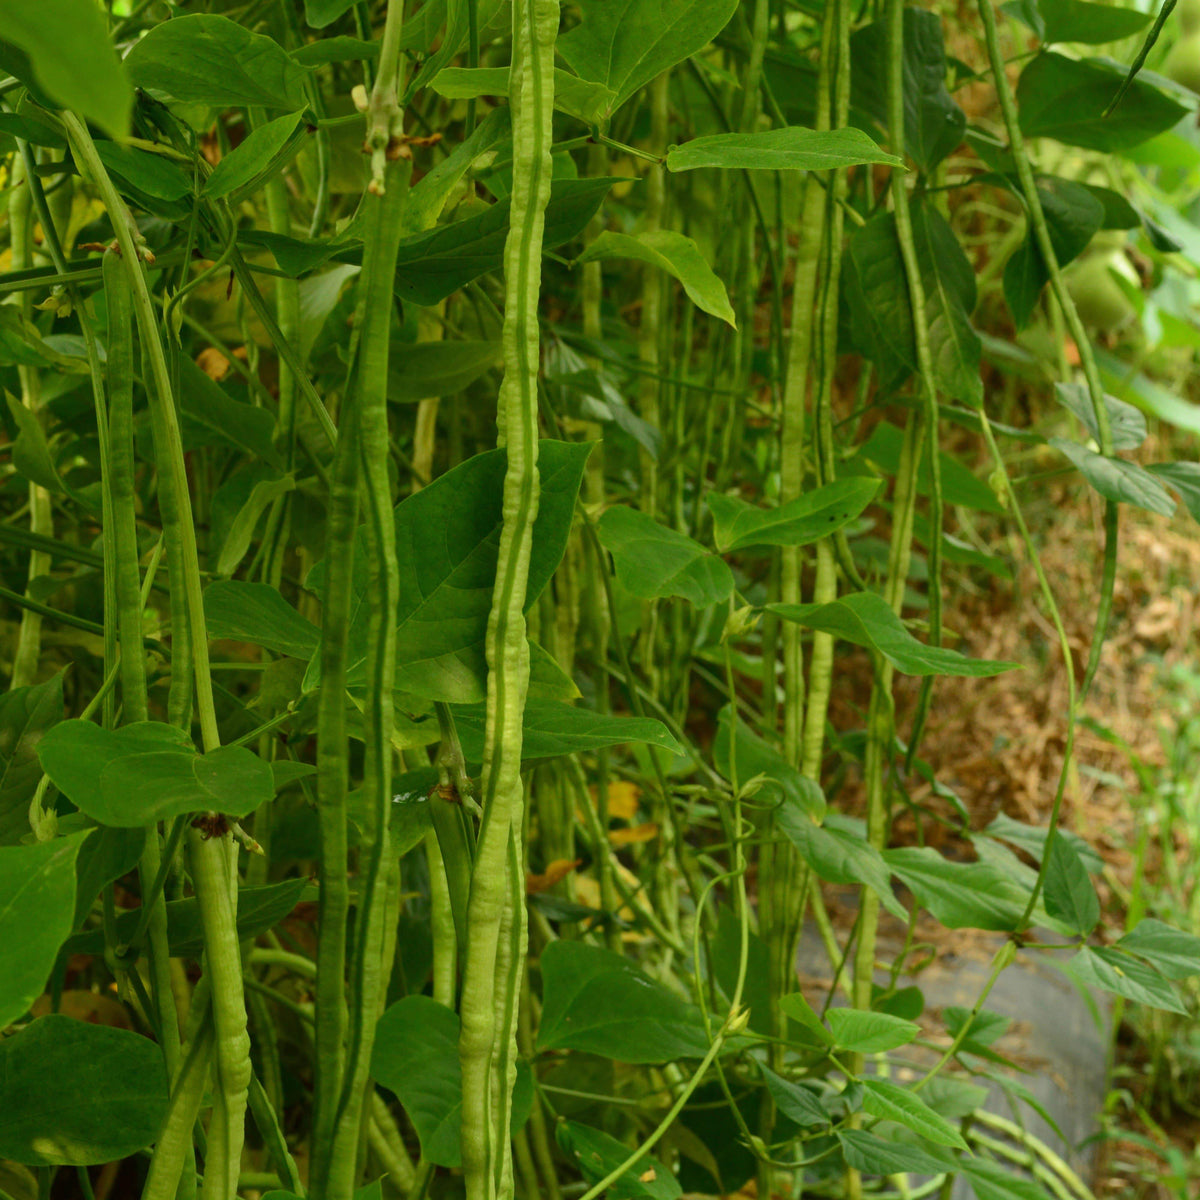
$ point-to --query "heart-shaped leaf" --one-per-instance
(148, 771)
(76, 1094)
(37, 907)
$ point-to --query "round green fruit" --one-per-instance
(1100, 299)
(1183, 62)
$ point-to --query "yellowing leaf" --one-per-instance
(622, 799)
(646, 832)
(556, 871)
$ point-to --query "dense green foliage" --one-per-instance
(453, 453)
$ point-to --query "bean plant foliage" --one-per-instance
(452, 449)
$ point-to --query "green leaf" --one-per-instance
(259, 909)
(547, 679)
(202, 58)
(866, 619)
(1149, 396)
(415, 1055)
(1065, 99)
(105, 856)
(790, 148)
(798, 1009)
(204, 401)
(597, 1155)
(447, 542)
(1117, 479)
(624, 44)
(872, 1155)
(247, 165)
(725, 952)
(319, 13)
(295, 256)
(838, 856)
(285, 771)
(25, 715)
(960, 895)
(1184, 477)
(1128, 424)
(240, 534)
(589, 102)
(1089, 24)
(1171, 951)
(341, 48)
(674, 253)
(864, 1032)
(432, 265)
(150, 173)
(419, 370)
(31, 452)
(1032, 839)
(952, 1098)
(991, 1181)
(754, 756)
(72, 57)
(1118, 212)
(875, 284)
(147, 771)
(1074, 215)
(599, 1002)
(37, 905)
(933, 122)
(652, 561)
(30, 130)
(552, 729)
(78, 1094)
(796, 1103)
(892, 1103)
(949, 282)
(428, 197)
(984, 1028)
(807, 519)
(907, 1002)
(21, 344)
(1068, 892)
(258, 613)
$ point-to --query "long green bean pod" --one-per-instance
(820, 674)
(174, 1143)
(371, 966)
(362, 450)
(441, 920)
(880, 711)
(122, 515)
(781, 861)
(214, 861)
(485, 1128)
(333, 774)
(29, 636)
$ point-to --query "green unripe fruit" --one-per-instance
(1101, 302)
(1183, 62)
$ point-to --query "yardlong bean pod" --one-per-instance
(214, 860)
(486, 1144)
